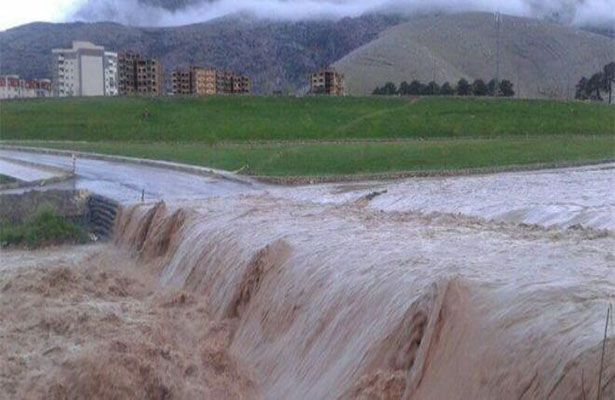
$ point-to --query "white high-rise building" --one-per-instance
(111, 78)
(83, 70)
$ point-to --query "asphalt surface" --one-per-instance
(126, 182)
(25, 173)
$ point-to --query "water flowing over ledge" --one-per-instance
(345, 302)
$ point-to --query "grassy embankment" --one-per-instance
(44, 229)
(320, 136)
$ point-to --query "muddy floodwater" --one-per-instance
(482, 287)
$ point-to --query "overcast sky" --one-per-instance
(18, 12)
(133, 12)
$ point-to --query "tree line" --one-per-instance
(599, 83)
(462, 88)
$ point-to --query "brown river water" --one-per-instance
(265, 297)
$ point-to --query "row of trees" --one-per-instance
(463, 88)
(599, 83)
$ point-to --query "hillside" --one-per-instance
(283, 118)
(321, 136)
(542, 59)
(278, 55)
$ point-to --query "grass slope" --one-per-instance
(283, 118)
(330, 159)
(281, 136)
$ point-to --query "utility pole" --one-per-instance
(498, 28)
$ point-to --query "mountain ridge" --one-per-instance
(543, 59)
(278, 55)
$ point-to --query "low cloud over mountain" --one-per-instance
(598, 13)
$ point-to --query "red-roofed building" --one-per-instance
(12, 87)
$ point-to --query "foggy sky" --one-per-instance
(137, 12)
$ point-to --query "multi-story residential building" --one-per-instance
(127, 73)
(327, 81)
(150, 77)
(45, 88)
(224, 82)
(38, 88)
(12, 87)
(181, 81)
(111, 74)
(84, 70)
(241, 84)
(139, 75)
(202, 82)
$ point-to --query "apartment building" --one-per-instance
(12, 87)
(203, 82)
(241, 84)
(224, 82)
(84, 70)
(111, 74)
(139, 75)
(181, 81)
(328, 82)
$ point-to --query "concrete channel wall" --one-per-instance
(95, 212)
(102, 213)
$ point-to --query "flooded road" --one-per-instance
(563, 197)
(490, 286)
(582, 196)
(24, 173)
(125, 182)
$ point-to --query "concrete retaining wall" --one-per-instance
(16, 208)
(96, 213)
(102, 213)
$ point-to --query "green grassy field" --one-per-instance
(285, 136)
(362, 158)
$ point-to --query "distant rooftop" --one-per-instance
(78, 45)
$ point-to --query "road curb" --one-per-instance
(251, 180)
(313, 180)
(202, 171)
(46, 167)
(64, 175)
(39, 183)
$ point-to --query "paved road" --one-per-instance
(25, 173)
(124, 182)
